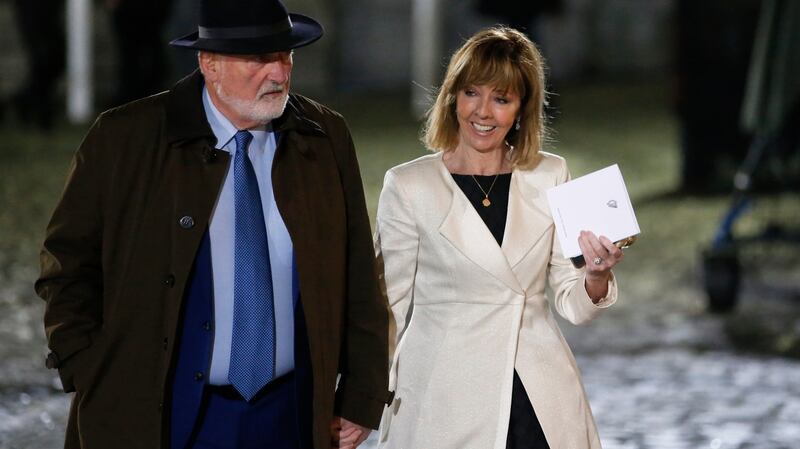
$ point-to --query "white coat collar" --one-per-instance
(526, 222)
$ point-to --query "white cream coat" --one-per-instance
(469, 312)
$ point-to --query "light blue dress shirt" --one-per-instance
(281, 253)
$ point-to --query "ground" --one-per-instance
(659, 370)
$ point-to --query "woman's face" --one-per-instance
(485, 115)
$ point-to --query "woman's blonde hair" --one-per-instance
(507, 60)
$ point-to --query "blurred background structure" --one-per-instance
(679, 93)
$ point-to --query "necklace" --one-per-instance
(486, 202)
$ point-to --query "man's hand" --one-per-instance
(346, 434)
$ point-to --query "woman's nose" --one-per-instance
(483, 109)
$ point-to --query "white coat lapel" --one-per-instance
(527, 220)
(465, 230)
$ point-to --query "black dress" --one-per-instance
(524, 430)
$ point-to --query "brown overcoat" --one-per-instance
(123, 237)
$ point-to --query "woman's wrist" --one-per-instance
(596, 285)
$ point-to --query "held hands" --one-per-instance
(346, 434)
(601, 256)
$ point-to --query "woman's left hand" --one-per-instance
(347, 434)
(601, 255)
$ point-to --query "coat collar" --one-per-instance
(186, 119)
(527, 218)
(185, 116)
(526, 223)
(294, 118)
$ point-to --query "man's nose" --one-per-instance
(278, 72)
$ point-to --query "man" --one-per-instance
(208, 271)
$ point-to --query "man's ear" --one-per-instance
(209, 65)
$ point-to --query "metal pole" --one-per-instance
(80, 94)
(426, 52)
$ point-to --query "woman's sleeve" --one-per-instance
(568, 283)
(396, 248)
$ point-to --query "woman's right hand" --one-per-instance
(601, 256)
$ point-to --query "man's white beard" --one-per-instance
(256, 110)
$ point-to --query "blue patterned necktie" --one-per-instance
(253, 343)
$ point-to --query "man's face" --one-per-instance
(250, 90)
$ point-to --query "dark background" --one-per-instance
(656, 86)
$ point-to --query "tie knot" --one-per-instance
(243, 139)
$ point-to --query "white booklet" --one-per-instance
(596, 202)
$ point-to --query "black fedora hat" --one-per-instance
(249, 27)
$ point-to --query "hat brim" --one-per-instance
(304, 31)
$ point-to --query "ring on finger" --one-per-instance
(597, 260)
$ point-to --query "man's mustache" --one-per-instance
(272, 88)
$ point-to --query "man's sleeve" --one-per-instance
(363, 386)
(71, 268)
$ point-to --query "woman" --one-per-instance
(468, 245)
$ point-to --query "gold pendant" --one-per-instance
(486, 202)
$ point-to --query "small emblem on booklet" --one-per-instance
(612, 203)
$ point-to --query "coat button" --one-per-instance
(210, 155)
(198, 376)
(169, 280)
(165, 343)
(207, 326)
(186, 222)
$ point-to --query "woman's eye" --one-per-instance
(469, 92)
(502, 100)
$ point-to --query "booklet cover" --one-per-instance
(596, 202)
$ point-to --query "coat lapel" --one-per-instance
(526, 221)
(465, 230)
